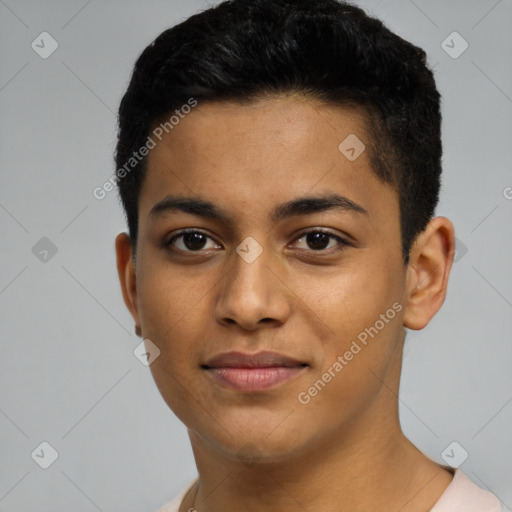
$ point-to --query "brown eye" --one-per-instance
(191, 241)
(319, 240)
(194, 241)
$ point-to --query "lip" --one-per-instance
(253, 372)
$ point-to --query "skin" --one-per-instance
(344, 450)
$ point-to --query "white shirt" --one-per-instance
(462, 495)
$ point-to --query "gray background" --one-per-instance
(68, 374)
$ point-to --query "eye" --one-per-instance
(321, 240)
(317, 240)
(192, 241)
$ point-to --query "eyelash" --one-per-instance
(342, 243)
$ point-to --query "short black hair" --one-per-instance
(244, 50)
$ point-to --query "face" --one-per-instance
(269, 275)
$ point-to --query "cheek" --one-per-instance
(351, 299)
(363, 314)
(173, 316)
(354, 369)
(167, 298)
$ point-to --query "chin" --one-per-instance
(255, 441)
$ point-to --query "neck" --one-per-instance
(380, 472)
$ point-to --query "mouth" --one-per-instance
(253, 372)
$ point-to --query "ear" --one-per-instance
(127, 278)
(428, 270)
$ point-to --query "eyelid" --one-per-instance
(181, 232)
(342, 241)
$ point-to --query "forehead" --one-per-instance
(256, 155)
(286, 127)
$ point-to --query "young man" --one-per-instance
(279, 164)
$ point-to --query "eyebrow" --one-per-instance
(300, 206)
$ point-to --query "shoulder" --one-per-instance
(174, 505)
(464, 495)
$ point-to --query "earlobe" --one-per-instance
(428, 271)
(127, 276)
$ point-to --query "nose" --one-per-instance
(252, 295)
